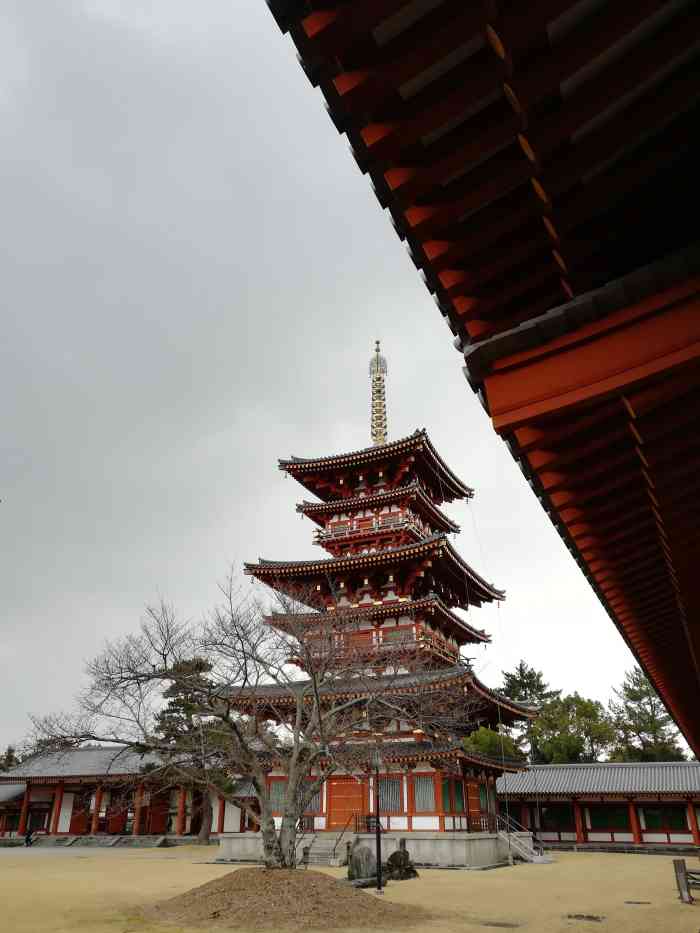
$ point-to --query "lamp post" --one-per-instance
(377, 764)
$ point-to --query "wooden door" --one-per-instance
(80, 817)
(158, 813)
(345, 799)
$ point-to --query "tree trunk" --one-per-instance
(205, 827)
(288, 840)
(272, 854)
(279, 846)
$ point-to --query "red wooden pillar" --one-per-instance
(221, 816)
(181, 812)
(634, 823)
(525, 815)
(95, 823)
(437, 781)
(138, 808)
(410, 799)
(24, 812)
(578, 820)
(693, 823)
(57, 804)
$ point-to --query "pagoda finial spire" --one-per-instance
(377, 371)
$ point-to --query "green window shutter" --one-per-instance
(483, 798)
(446, 795)
(459, 797)
(665, 818)
(609, 817)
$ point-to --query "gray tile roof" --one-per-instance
(78, 762)
(672, 777)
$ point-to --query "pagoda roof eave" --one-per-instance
(480, 591)
(519, 710)
(396, 752)
(413, 490)
(398, 607)
(279, 695)
(451, 485)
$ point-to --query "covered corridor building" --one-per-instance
(653, 803)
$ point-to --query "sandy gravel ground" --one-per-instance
(103, 891)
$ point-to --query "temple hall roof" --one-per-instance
(652, 777)
(90, 761)
(448, 486)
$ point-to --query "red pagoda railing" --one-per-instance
(389, 640)
(362, 526)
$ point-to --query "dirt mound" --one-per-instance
(257, 899)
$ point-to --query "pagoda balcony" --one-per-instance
(390, 641)
(358, 528)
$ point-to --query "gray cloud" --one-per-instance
(193, 271)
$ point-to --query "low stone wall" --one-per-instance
(442, 850)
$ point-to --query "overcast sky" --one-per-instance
(193, 272)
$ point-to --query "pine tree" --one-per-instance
(179, 725)
(573, 729)
(526, 685)
(645, 730)
(493, 744)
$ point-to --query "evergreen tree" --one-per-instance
(178, 724)
(573, 729)
(644, 730)
(493, 744)
(526, 685)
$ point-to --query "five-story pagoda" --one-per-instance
(391, 588)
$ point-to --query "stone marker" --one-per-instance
(399, 866)
(361, 862)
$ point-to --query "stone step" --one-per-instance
(142, 842)
(102, 842)
(59, 842)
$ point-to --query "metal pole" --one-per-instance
(378, 831)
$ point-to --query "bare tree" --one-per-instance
(301, 697)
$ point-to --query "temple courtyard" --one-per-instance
(105, 891)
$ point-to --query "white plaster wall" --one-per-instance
(232, 818)
(599, 837)
(681, 837)
(654, 837)
(399, 822)
(66, 813)
(319, 822)
(426, 822)
(623, 837)
(568, 837)
(214, 811)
